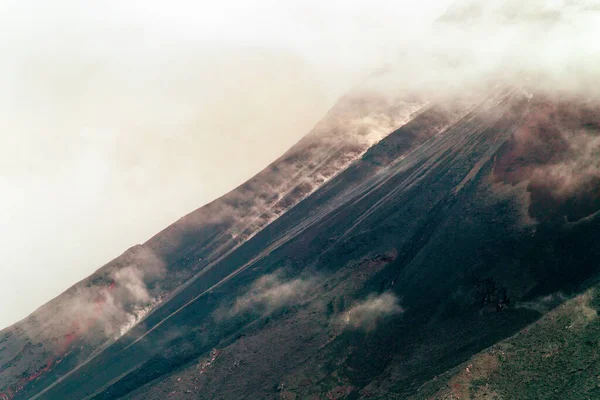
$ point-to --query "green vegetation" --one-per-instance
(555, 358)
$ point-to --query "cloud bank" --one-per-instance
(544, 45)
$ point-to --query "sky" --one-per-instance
(117, 118)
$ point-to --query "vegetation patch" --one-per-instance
(557, 357)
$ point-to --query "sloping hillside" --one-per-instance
(400, 268)
(91, 315)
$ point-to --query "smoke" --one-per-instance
(573, 174)
(270, 293)
(554, 152)
(113, 302)
(366, 314)
(547, 50)
(82, 320)
(275, 291)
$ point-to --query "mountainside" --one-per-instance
(339, 273)
(98, 310)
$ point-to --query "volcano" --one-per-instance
(438, 243)
(403, 249)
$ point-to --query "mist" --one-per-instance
(545, 46)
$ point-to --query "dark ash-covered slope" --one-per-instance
(94, 313)
(413, 259)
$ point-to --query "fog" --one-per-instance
(120, 117)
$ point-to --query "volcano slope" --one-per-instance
(95, 312)
(442, 240)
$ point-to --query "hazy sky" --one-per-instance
(119, 117)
